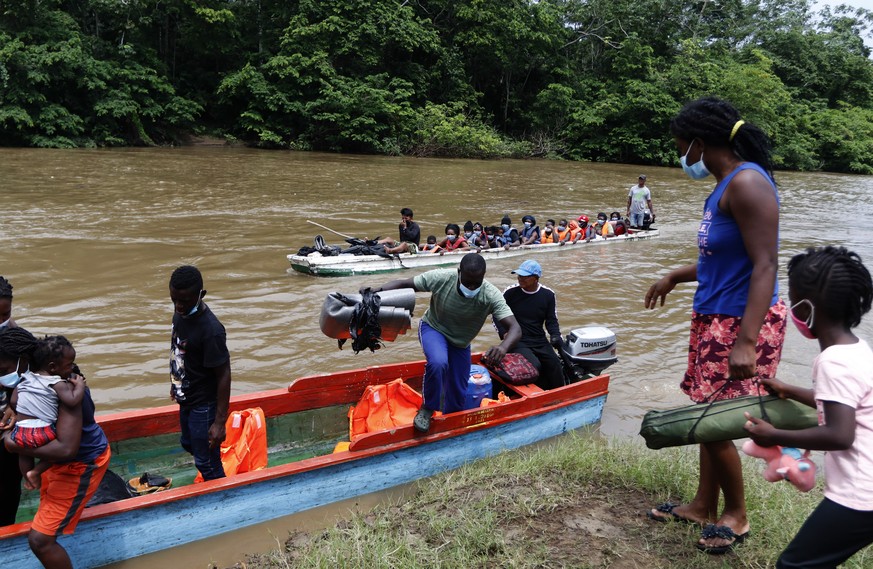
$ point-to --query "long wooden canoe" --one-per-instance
(347, 265)
(298, 478)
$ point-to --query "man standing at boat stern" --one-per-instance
(639, 200)
(461, 300)
(199, 372)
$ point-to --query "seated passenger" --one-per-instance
(530, 235)
(510, 234)
(410, 235)
(431, 245)
(549, 235)
(563, 232)
(452, 241)
(468, 231)
(493, 235)
(619, 227)
(584, 231)
(602, 227)
(478, 240)
(534, 308)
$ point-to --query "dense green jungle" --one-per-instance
(570, 79)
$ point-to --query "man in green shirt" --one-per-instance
(460, 303)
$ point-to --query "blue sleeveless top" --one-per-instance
(724, 268)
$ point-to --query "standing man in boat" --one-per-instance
(459, 304)
(534, 307)
(199, 372)
(410, 235)
(638, 199)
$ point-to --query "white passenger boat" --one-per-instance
(348, 265)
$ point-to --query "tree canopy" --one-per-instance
(574, 79)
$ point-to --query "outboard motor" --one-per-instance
(588, 351)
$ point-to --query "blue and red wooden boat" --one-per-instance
(305, 421)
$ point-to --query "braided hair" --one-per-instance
(5, 288)
(186, 277)
(16, 343)
(713, 121)
(835, 280)
(49, 349)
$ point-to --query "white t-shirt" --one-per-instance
(639, 196)
(844, 374)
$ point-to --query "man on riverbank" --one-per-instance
(199, 372)
(410, 235)
(638, 199)
(459, 304)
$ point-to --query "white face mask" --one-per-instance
(696, 171)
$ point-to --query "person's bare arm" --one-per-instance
(664, 285)
(495, 354)
(838, 432)
(751, 201)
(70, 392)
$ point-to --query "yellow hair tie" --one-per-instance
(735, 129)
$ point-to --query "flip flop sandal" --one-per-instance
(722, 532)
(667, 509)
(149, 484)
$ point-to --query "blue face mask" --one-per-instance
(196, 305)
(505, 227)
(451, 237)
(12, 378)
(467, 292)
(696, 171)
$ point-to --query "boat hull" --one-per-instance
(348, 265)
(129, 528)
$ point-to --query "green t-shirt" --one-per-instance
(455, 316)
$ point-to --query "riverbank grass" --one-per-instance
(579, 501)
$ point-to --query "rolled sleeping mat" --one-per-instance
(337, 311)
(401, 298)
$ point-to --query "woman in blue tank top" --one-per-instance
(738, 321)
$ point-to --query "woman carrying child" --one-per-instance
(829, 290)
(79, 457)
(36, 398)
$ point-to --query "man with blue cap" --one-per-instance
(534, 307)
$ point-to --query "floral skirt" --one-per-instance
(713, 337)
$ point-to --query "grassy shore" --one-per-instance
(577, 502)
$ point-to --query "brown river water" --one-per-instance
(89, 239)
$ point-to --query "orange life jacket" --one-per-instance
(245, 445)
(383, 407)
(562, 234)
(548, 237)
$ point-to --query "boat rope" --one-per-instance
(364, 327)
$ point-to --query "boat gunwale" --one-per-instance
(345, 265)
(443, 427)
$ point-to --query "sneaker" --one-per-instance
(422, 420)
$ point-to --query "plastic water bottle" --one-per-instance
(478, 386)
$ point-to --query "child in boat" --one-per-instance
(36, 400)
(431, 245)
(563, 232)
(618, 224)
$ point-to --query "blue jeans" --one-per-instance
(636, 219)
(195, 423)
(446, 372)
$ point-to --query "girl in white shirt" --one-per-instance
(830, 289)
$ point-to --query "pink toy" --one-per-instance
(784, 463)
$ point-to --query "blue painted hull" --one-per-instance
(99, 541)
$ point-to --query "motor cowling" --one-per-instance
(589, 350)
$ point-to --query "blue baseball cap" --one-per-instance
(529, 268)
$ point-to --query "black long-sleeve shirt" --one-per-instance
(411, 233)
